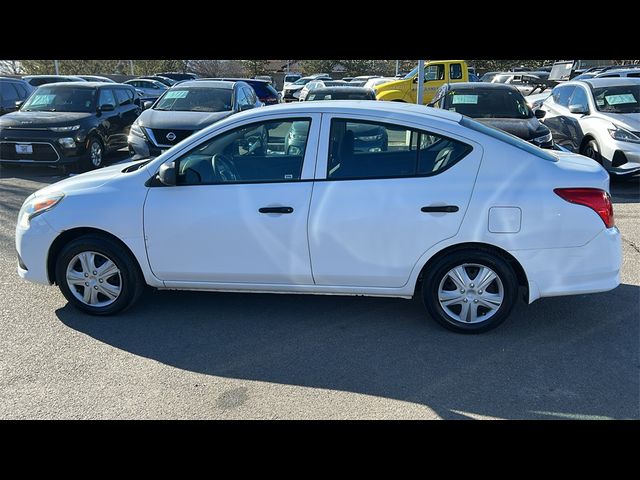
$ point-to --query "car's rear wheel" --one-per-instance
(98, 276)
(470, 291)
(592, 150)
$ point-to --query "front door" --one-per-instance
(390, 192)
(239, 211)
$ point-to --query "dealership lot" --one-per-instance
(224, 355)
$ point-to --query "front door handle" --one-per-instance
(440, 209)
(276, 210)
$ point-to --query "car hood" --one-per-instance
(41, 119)
(293, 87)
(180, 120)
(85, 181)
(630, 121)
(525, 128)
(393, 85)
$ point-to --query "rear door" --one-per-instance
(110, 121)
(127, 113)
(384, 194)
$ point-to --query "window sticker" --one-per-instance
(620, 99)
(42, 99)
(177, 94)
(465, 100)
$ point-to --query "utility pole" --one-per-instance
(56, 66)
(420, 82)
(131, 66)
(287, 67)
(397, 67)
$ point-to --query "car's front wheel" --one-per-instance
(98, 276)
(592, 150)
(470, 291)
(94, 158)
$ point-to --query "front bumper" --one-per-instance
(142, 148)
(33, 246)
(591, 268)
(45, 146)
(631, 151)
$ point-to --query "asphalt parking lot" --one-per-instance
(223, 356)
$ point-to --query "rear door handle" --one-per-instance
(440, 209)
(276, 210)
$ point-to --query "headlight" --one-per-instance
(623, 135)
(35, 206)
(67, 142)
(543, 139)
(71, 128)
(136, 130)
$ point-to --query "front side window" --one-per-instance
(271, 151)
(579, 97)
(61, 99)
(562, 94)
(434, 72)
(123, 97)
(8, 93)
(364, 150)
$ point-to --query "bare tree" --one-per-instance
(11, 67)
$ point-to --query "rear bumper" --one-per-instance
(591, 268)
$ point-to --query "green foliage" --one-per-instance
(255, 67)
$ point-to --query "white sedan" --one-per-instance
(339, 197)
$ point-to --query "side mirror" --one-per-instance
(415, 79)
(19, 103)
(578, 109)
(146, 105)
(167, 174)
(107, 107)
(539, 113)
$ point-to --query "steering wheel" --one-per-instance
(223, 168)
(259, 141)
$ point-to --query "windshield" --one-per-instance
(618, 99)
(196, 99)
(61, 99)
(341, 95)
(291, 78)
(490, 103)
(412, 73)
(302, 81)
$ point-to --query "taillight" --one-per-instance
(594, 198)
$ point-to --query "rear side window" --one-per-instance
(106, 97)
(364, 150)
(8, 91)
(22, 91)
(455, 71)
(122, 97)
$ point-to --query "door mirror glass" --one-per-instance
(578, 109)
(146, 105)
(539, 113)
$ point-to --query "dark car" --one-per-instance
(169, 82)
(148, 89)
(185, 108)
(267, 94)
(69, 123)
(37, 80)
(340, 93)
(177, 76)
(13, 91)
(96, 78)
(497, 105)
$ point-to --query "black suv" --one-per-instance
(69, 123)
(13, 91)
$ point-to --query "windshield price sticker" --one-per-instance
(465, 99)
(177, 94)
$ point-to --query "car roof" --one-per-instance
(616, 71)
(342, 88)
(205, 82)
(86, 85)
(609, 81)
(481, 86)
(231, 79)
(376, 108)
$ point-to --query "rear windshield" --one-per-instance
(264, 90)
(341, 95)
(488, 103)
(508, 138)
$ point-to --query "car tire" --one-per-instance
(458, 302)
(101, 288)
(94, 158)
(591, 149)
